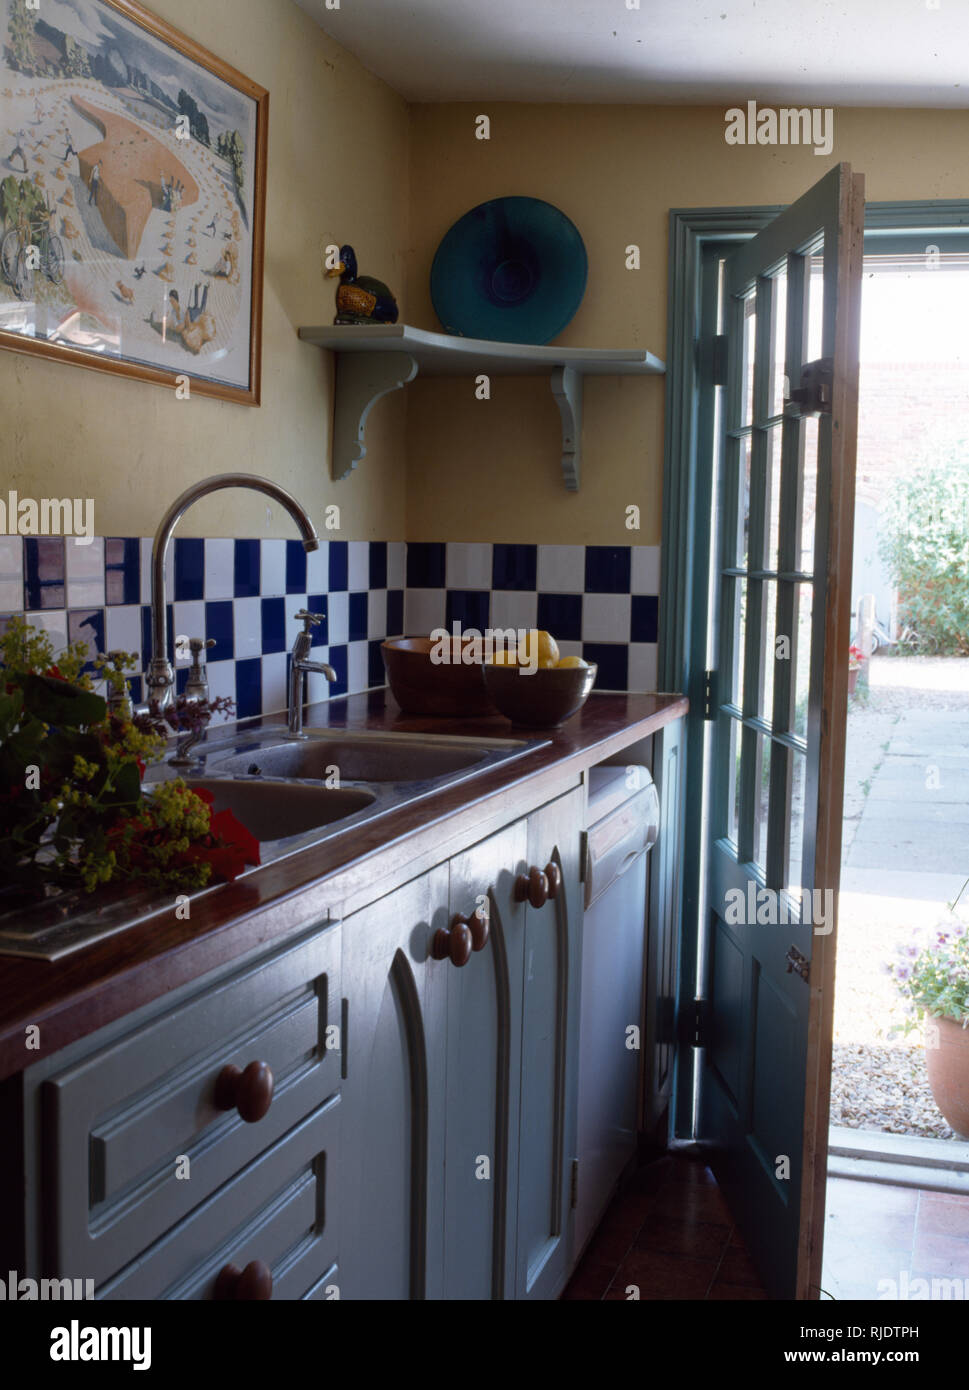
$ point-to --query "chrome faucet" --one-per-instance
(299, 665)
(161, 675)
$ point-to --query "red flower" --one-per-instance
(52, 673)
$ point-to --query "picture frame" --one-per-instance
(133, 170)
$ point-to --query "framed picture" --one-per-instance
(132, 198)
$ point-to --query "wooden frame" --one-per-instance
(102, 308)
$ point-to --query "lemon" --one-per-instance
(546, 647)
(570, 663)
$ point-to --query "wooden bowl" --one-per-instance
(452, 689)
(542, 698)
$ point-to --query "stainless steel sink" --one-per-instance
(349, 758)
(277, 810)
(286, 794)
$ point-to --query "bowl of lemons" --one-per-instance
(531, 683)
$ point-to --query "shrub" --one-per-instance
(924, 539)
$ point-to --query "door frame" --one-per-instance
(684, 563)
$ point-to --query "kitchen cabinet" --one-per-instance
(458, 1102)
(163, 1150)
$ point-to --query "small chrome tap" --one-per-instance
(299, 665)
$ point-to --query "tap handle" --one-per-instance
(308, 619)
(197, 645)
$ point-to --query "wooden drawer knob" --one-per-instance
(254, 1283)
(250, 1091)
(554, 875)
(453, 943)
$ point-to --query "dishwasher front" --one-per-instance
(623, 826)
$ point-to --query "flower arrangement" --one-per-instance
(73, 813)
(932, 972)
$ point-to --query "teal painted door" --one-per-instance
(780, 613)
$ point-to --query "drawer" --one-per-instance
(133, 1139)
(276, 1210)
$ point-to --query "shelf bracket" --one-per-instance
(361, 379)
(567, 386)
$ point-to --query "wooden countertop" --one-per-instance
(70, 998)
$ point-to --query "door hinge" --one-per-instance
(799, 964)
(710, 695)
(574, 1185)
(718, 359)
(701, 1020)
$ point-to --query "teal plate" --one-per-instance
(512, 270)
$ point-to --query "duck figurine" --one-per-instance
(361, 298)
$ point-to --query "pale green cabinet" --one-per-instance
(458, 1106)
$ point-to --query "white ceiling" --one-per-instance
(781, 52)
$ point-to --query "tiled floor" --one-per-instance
(878, 1240)
(670, 1234)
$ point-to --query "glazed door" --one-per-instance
(780, 601)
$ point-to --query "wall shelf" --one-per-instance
(373, 361)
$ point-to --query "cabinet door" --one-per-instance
(484, 1000)
(549, 1058)
(393, 1116)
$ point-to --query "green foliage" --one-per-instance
(21, 32)
(72, 812)
(231, 146)
(924, 540)
(23, 197)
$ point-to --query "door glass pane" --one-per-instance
(809, 490)
(795, 830)
(733, 780)
(780, 333)
(801, 656)
(768, 645)
(761, 800)
(815, 324)
(735, 613)
(750, 338)
(773, 500)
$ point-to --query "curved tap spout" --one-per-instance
(161, 677)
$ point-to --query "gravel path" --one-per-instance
(884, 1088)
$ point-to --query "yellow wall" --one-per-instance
(338, 148)
(482, 471)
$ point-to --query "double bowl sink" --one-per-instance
(289, 793)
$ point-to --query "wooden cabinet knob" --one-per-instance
(479, 928)
(454, 943)
(538, 885)
(532, 887)
(249, 1285)
(250, 1091)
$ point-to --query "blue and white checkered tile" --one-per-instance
(243, 594)
(600, 602)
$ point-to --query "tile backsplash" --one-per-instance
(600, 602)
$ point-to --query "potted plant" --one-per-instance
(932, 973)
(856, 659)
(74, 814)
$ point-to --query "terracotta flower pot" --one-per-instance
(853, 679)
(947, 1063)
